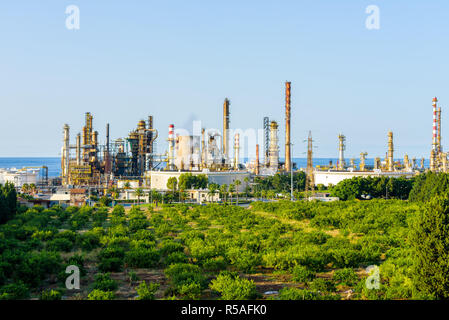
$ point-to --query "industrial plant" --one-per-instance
(133, 160)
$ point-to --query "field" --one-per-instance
(280, 250)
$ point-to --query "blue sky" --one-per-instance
(178, 60)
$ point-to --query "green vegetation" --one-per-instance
(377, 187)
(304, 250)
(8, 202)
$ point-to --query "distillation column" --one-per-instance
(363, 160)
(390, 152)
(274, 148)
(171, 147)
(236, 151)
(66, 155)
(287, 126)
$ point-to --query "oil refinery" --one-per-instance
(132, 160)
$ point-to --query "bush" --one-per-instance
(175, 257)
(232, 287)
(183, 273)
(101, 295)
(14, 291)
(345, 276)
(190, 291)
(170, 246)
(288, 293)
(60, 244)
(111, 259)
(142, 258)
(322, 285)
(50, 295)
(302, 274)
(104, 282)
(146, 291)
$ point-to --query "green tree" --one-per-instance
(237, 184)
(430, 240)
(139, 194)
(172, 184)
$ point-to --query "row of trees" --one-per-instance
(8, 202)
(373, 187)
(280, 182)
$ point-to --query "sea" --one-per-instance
(54, 164)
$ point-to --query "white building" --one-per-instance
(19, 177)
(158, 179)
(334, 177)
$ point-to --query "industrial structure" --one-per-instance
(133, 158)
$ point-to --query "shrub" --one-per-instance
(190, 291)
(170, 246)
(111, 259)
(302, 274)
(104, 282)
(175, 257)
(142, 258)
(118, 211)
(345, 276)
(88, 240)
(50, 295)
(183, 273)
(243, 259)
(288, 293)
(60, 244)
(14, 291)
(322, 285)
(101, 295)
(146, 291)
(232, 287)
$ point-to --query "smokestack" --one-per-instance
(66, 154)
(107, 159)
(390, 152)
(236, 151)
(341, 149)
(257, 159)
(171, 146)
(439, 148)
(287, 126)
(434, 139)
(225, 139)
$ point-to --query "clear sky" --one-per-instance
(178, 60)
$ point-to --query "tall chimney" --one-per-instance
(434, 138)
(257, 159)
(439, 148)
(225, 143)
(107, 159)
(287, 126)
(341, 149)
